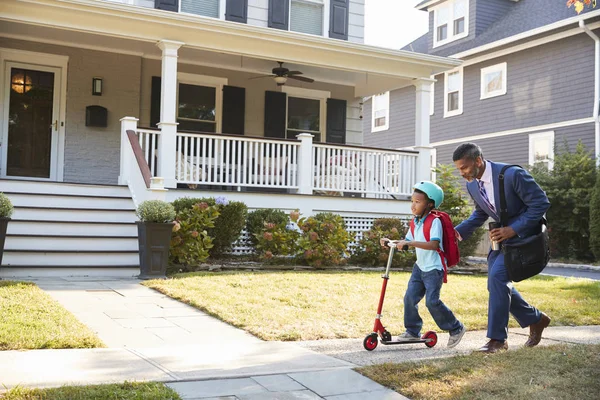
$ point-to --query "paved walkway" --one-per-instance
(151, 337)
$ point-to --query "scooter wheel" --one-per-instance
(432, 336)
(370, 342)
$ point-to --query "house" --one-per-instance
(530, 79)
(108, 103)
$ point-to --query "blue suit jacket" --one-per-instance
(526, 202)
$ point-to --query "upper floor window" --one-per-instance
(451, 21)
(453, 93)
(541, 149)
(207, 8)
(307, 16)
(493, 81)
(381, 112)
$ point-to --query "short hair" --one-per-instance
(469, 151)
(426, 197)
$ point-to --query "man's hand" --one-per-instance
(501, 234)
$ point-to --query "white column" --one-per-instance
(127, 123)
(422, 144)
(305, 165)
(168, 116)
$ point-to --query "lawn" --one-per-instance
(334, 304)
(542, 373)
(31, 319)
(124, 391)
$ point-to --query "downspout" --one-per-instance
(596, 86)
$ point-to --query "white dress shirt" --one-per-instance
(486, 178)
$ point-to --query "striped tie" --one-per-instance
(485, 196)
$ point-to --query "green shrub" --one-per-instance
(190, 241)
(155, 211)
(324, 239)
(6, 207)
(369, 252)
(278, 240)
(595, 219)
(257, 219)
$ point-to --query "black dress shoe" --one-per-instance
(494, 346)
(535, 331)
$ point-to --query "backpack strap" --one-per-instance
(427, 233)
(503, 207)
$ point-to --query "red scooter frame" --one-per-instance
(379, 331)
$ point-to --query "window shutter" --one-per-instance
(155, 102)
(234, 109)
(338, 23)
(167, 5)
(336, 121)
(275, 112)
(279, 14)
(237, 11)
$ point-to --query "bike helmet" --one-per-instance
(433, 191)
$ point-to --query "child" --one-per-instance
(428, 272)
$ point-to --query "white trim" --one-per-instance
(546, 127)
(450, 36)
(313, 94)
(491, 69)
(386, 126)
(209, 81)
(542, 135)
(433, 164)
(458, 111)
(37, 60)
(432, 98)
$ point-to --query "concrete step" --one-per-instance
(40, 242)
(16, 227)
(70, 214)
(39, 258)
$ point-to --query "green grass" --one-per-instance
(124, 391)
(333, 304)
(541, 373)
(31, 319)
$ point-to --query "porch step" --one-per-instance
(74, 214)
(61, 228)
(65, 243)
(45, 187)
(60, 200)
(64, 258)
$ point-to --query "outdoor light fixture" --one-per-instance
(97, 86)
(281, 80)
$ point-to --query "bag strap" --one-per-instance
(503, 207)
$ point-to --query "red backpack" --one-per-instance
(450, 255)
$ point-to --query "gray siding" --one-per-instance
(489, 11)
(546, 84)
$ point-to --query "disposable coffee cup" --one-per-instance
(495, 244)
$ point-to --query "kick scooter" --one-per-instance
(379, 331)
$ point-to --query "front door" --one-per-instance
(31, 127)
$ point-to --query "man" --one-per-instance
(526, 203)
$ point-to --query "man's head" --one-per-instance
(469, 161)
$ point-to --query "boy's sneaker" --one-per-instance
(454, 340)
(407, 336)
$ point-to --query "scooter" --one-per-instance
(379, 331)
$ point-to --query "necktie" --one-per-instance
(485, 197)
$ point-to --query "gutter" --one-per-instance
(596, 111)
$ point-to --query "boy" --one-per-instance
(428, 272)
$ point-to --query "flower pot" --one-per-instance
(154, 241)
(3, 226)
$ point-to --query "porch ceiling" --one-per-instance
(136, 30)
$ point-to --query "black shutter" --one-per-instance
(155, 102)
(236, 11)
(279, 14)
(336, 121)
(275, 104)
(167, 5)
(338, 19)
(234, 109)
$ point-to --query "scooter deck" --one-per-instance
(405, 341)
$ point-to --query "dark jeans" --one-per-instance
(427, 284)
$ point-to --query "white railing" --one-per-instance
(368, 172)
(149, 143)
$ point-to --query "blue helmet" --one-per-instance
(433, 191)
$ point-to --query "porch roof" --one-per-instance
(130, 29)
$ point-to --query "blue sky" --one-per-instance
(393, 23)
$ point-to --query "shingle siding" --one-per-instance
(489, 11)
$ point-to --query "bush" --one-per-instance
(155, 211)
(6, 207)
(370, 252)
(228, 225)
(595, 219)
(257, 219)
(278, 240)
(190, 241)
(324, 239)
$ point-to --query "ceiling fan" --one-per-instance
(281, 74)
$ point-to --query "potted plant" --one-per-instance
(154, 237)
(6, 210)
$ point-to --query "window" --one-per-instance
(306, 110)
(381, 112)
(493, 81)
(207, 8)
(451, 21)
(308, 16)
(199, 100)
(453, 93)
(541, 149)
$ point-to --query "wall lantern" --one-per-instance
(97, 86)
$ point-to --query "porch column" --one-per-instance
(127, 123)
(422, 145)
(305, 170)
(168, 107)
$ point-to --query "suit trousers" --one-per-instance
(505, 299)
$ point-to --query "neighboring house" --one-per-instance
(529, 81)
(107, 103)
